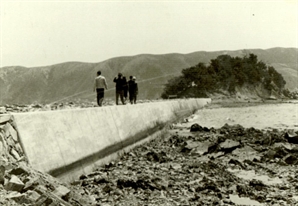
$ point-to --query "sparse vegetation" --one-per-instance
(224, 73)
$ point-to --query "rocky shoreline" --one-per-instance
(227, 166)
(189, 165)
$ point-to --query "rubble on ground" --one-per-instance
(17, 108)
(214, 167)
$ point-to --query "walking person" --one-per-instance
(120, 82)
(133, 90)
(100, 85)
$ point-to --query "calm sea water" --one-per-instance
(279, 116)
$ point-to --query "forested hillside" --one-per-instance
(226, 73)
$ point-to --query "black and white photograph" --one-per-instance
(148, 102)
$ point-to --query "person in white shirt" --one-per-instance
(100, 85)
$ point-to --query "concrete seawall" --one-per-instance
(67, 143)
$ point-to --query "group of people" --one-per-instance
(123, 87)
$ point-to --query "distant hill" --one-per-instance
(74, 80)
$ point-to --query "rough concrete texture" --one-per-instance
(59, 142)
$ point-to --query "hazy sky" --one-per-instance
(41, 33)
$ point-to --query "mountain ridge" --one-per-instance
(74, 80)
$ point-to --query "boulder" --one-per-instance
(270, 154)
(285, 145)
(16, 196)
(10, 131)
(14, 184)
(19, 171)
(4, 118)
(2, 173)
(291, 139)
(229, 145)
(31, 183)
(32, 195)
(61, 191)
(291, 159)
(202, 147)
(2, 152)
(246, 153)
(236, 162)
(257, 184)
(15, 154)
(156, 156)
(2, 110)
(197, 128)
(280, 152)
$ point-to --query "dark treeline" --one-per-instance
(224, 73)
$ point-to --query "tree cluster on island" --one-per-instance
(225, 73)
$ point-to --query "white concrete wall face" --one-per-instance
(62, 141)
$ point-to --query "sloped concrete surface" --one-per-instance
(59, 142)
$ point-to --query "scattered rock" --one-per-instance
(14, 184)
(201, 148)
(291, 139)
(197, 128)
(156, 157)
(2, 111)
(229, 145)
(5, 118)
(257, 184)
(2, 173)
(61, 191)
(291, 159)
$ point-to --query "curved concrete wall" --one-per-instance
(74, 141)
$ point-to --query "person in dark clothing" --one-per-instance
(125, 88)
(120, 82)
(133, 90)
